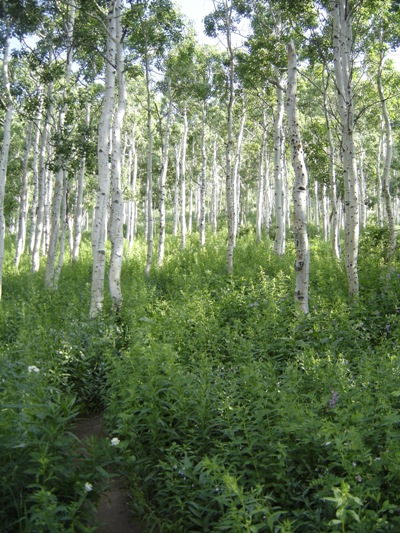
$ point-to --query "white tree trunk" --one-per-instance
(302, 262)
(183, 178)
(387, 164)
(34, 186)
(363, 189)
(176, 188)
(132, 203)
(40, 215)
(261, 186)
(343, 43)
(23, 205)
(117, 204)
(236, 175)
(335, 222)
(379, 206)
(325, 212)
(149, 183)
(9, 109)
(215, 188)
(78, 213)
(163, 178)
(203, 184)
(63, 217)
(100, 217)
(59, 177)
(280, 222)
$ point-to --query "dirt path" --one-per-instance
(112, 512)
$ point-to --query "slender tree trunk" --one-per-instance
(316, 205)
(117, 204)
(302, 262)
(203, 183)
(23, 206)
(335, 222)
(78, 213)
(163, 177)
(149, 184)
(35, 182)
(325, 212)
(343, 42)
(100, 217)
(9, 109)
(183, 178)
(363, 187)
(236, 175)
(59, 177)
(379, 207)
(176, 188)
(215, 189)
(132, 202)
(387, 164)
(40, 214)
(261, 186)
(267, 192)
(280, 237)
(63, 217)
(230, 188)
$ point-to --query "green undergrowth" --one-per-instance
(233, 412)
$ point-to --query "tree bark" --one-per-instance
(163, 177)
(23, 205)
(387, 163)
(183, 178)
(280, 222)
(203, 184)
(215, 189)
(59, 177)
(40, 215)
(9, 109)
(117, 205)
(100, 215)
(343, 43)
(149, 183)
(78, 213)
(302, 262)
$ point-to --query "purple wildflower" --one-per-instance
(333, 399)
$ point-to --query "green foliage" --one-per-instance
(43, 475)
(233, 412)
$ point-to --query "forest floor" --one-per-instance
(113, 513)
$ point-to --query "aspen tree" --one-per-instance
(163, 177)
(177, 151)
(116, 216)
(59, 176)
(302, 262)
(387, 157)
(7, 104)
(203, 183)
(280, 222)
(41, 197)
(215, 187)
(342, 48)
(182, 172)
(78, 213)
(23, 207)
(100, 214)
(35, 181)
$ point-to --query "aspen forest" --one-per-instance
(199, 257)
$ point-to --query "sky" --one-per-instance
(196, 10)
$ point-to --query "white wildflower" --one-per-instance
(33, 368)
(88, 486)
(115, 441)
